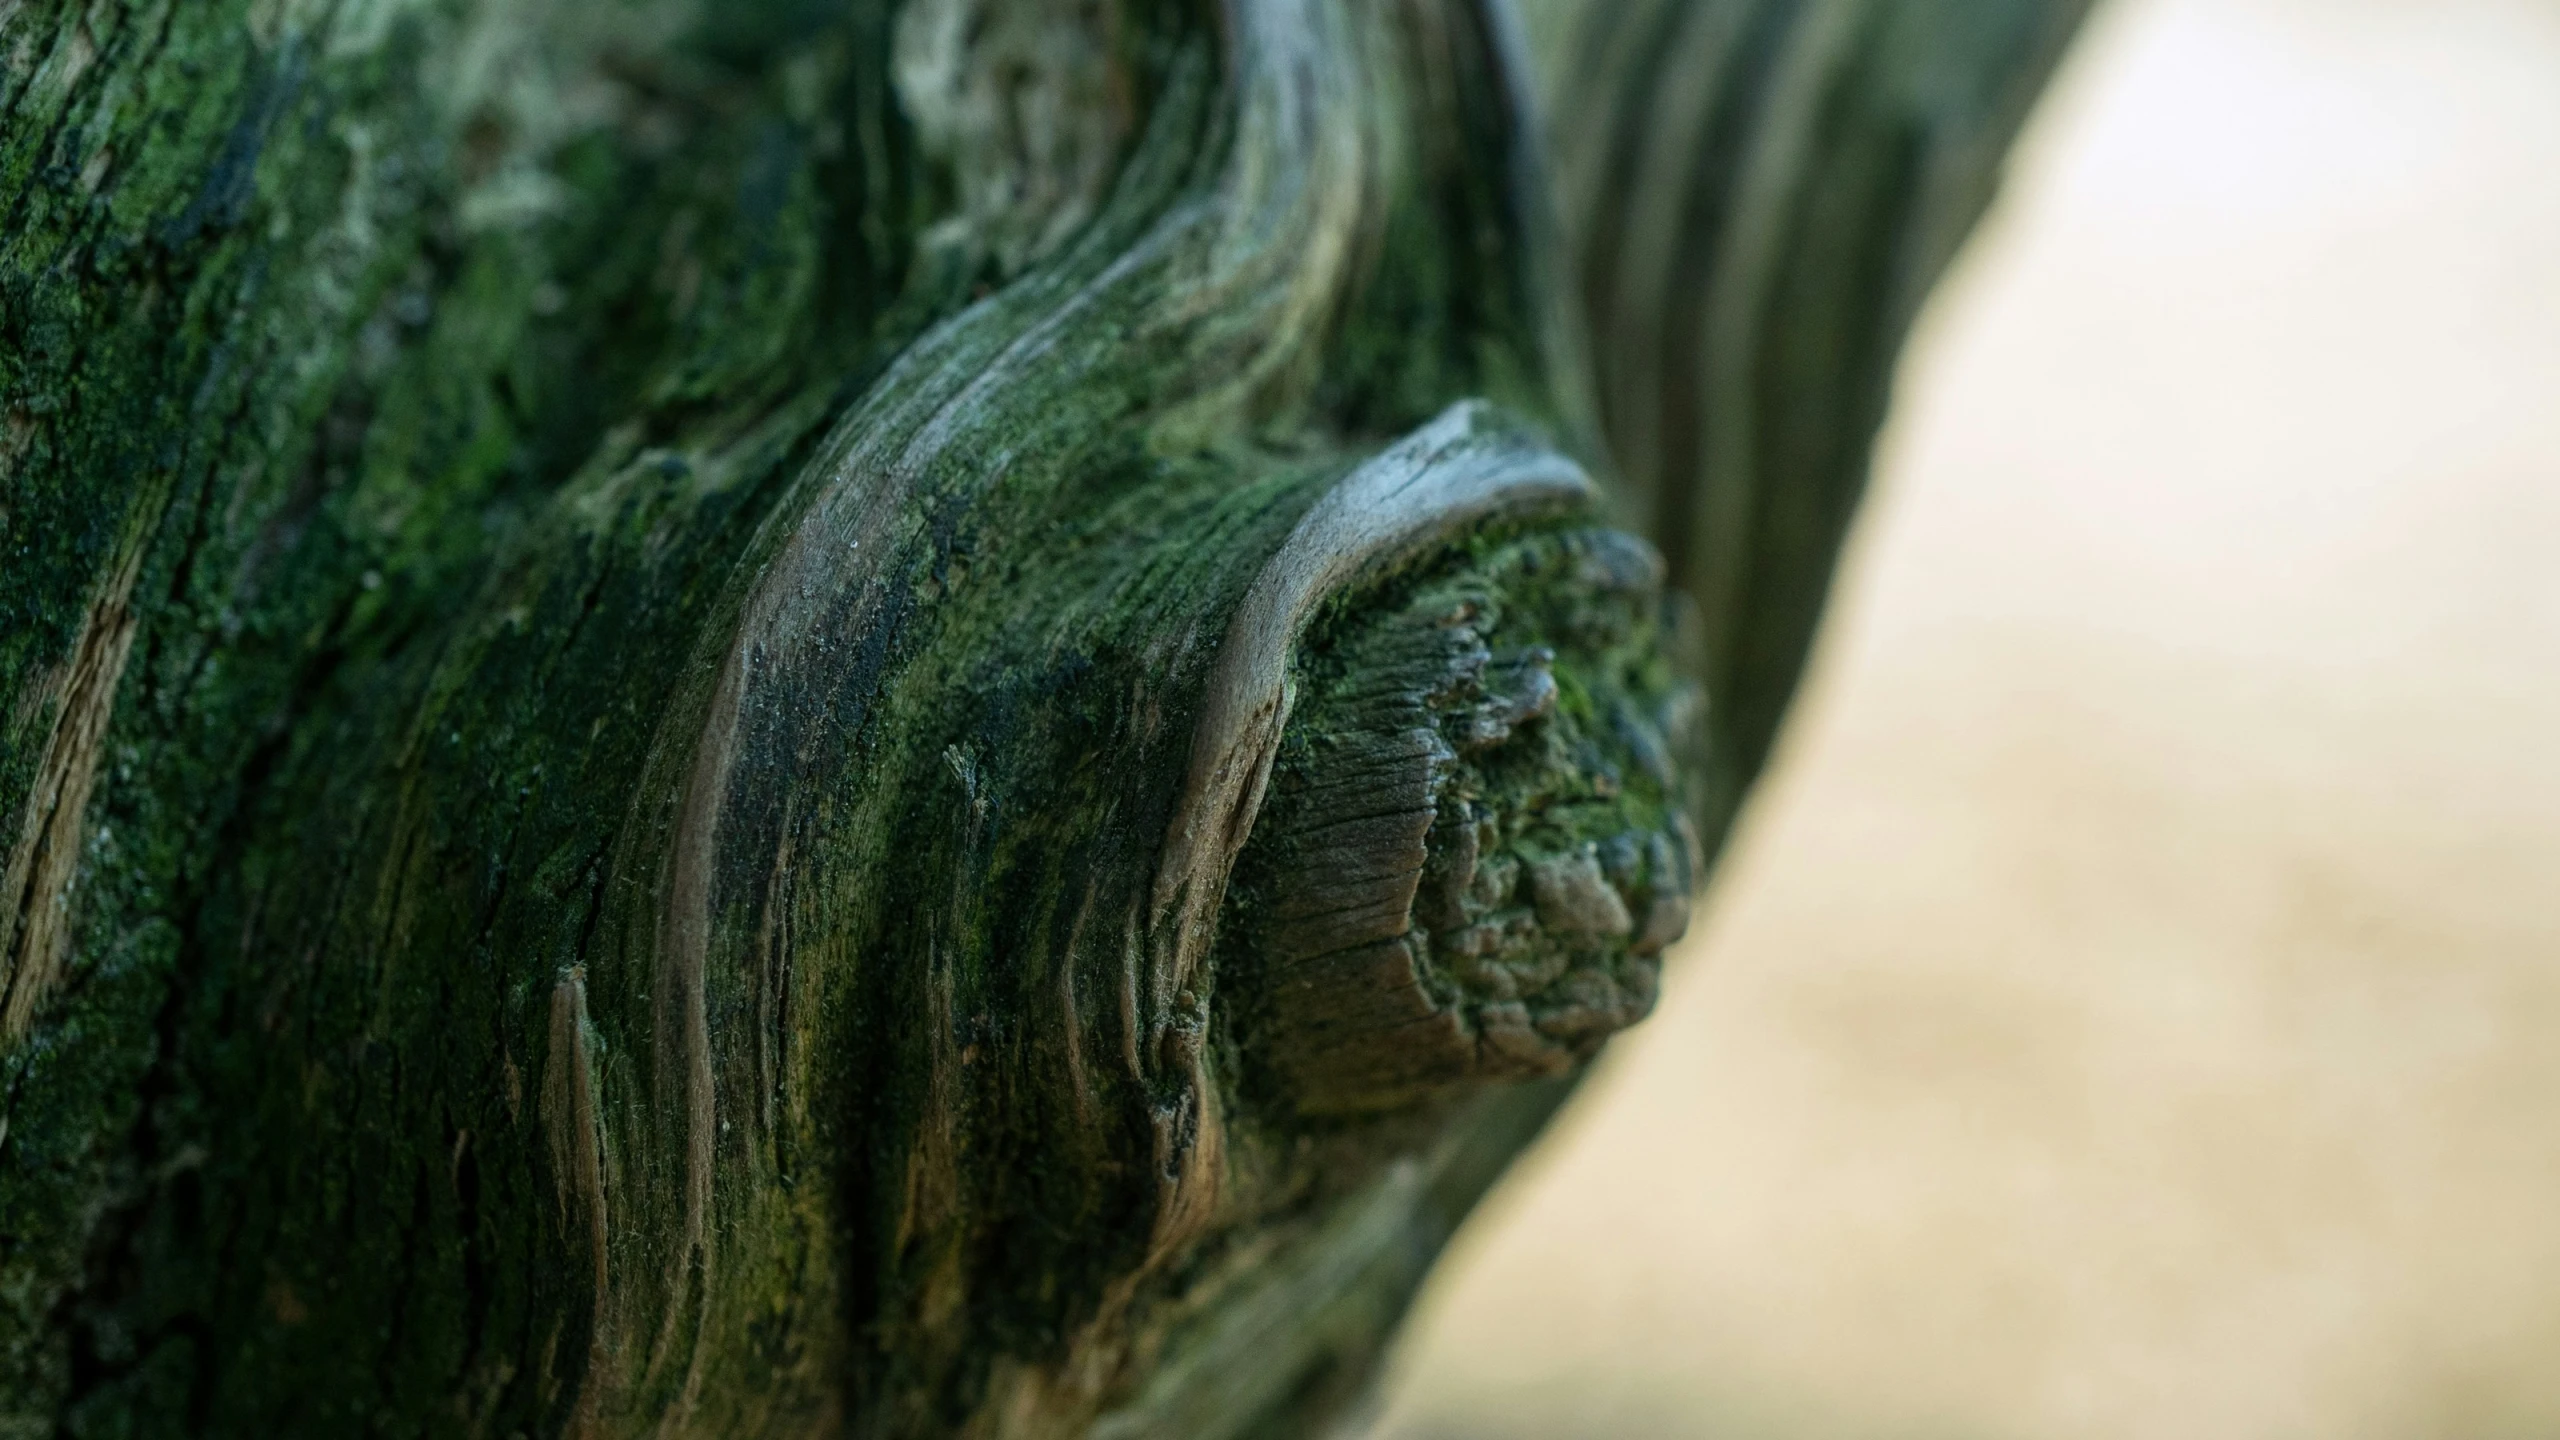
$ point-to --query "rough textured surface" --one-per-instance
(1485, 789)
(623, 731)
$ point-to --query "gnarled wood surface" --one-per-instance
(896, 719)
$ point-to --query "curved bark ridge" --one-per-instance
(1476, 847)
(734, 718)
(1757, 197)
(904, 927)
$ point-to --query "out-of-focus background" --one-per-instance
(2132, 1006)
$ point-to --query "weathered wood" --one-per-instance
(747, 718)
(1759, 196)
(1487, 788)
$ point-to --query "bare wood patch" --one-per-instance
(569, 1106)
(44, 864)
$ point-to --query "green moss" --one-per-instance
(476, 385)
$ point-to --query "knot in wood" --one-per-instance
(1476, 846)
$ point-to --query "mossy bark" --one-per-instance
(799, 718)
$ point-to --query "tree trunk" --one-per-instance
(783, 718)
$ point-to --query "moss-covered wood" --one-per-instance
(697, 700)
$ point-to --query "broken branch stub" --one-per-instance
(1476, 846)
(732, 720)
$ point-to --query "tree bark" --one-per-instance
(747, 719)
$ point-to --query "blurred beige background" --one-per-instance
(2132, 1008)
